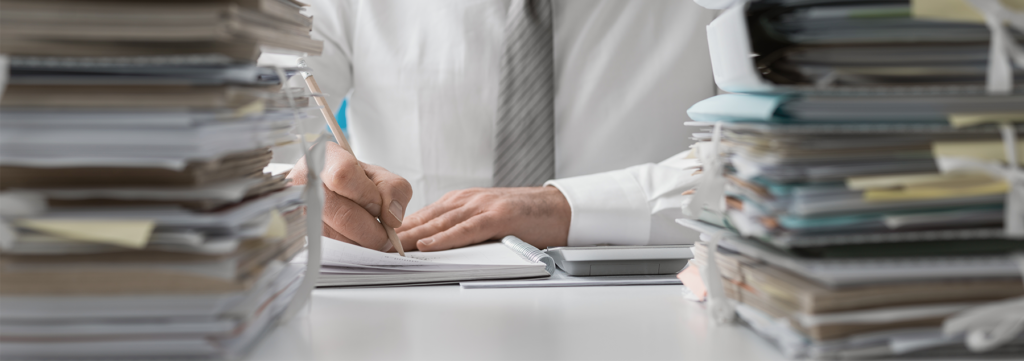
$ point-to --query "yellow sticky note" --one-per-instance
(954, 10)
(256, 107)
(968, 120)
(945, 10)
(125, 233)
(277, 229)
(981, 150)
(930, 192)
(919, 179)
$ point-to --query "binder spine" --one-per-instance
(529, 252)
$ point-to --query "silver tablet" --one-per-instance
(621, 260)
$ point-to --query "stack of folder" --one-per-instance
(137, 219)
(887, 42)
(866, 202)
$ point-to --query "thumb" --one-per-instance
(395, 194)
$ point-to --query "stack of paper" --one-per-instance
(807, 319)
(227, 31)
(809, 183)
(894, 42)
(137, 220)
(848, 214)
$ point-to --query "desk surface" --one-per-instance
(449, 323)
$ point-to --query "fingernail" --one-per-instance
(426, 242)
(396, 210)
(374, 209)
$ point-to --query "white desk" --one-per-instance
(448, 323)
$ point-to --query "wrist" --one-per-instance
(557, 201)
(561, 212)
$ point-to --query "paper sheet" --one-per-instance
(936, 192)
(277, 227)
(4, 73)
(907, 180)
(342, 254)
(954, 10)
(339, 253)
(964, 120)
(945, 10)
(982, 150)
(125, 233)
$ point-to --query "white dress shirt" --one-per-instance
(423, 83)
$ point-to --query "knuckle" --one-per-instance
(397, 187)
(347, 166)
(462, 193)
(405, 187)
(476, 201)
(502, 206)
(448, 220)
(475, 227)
(448, 196)
(492, 225)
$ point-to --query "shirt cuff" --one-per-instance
(607, 208)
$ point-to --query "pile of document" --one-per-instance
(137, 220)
(808, 181)
(848, 221)
(886, 42)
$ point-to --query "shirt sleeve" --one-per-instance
(633, 206)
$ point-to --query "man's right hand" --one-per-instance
(355, 194)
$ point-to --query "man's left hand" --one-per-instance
(538, 215)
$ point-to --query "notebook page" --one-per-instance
(487, 254)
(339, 253)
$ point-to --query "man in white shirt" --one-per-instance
(423, 81)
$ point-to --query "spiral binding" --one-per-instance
(529, 252)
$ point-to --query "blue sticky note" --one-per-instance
(736, 108)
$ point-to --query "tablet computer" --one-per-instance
(621, 260)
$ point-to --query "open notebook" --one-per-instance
(344, 264)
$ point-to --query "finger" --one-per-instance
(353, 221)
(477, 229)
(436, 225)
(332, 234)
(431, 212)
(298, 172)
(344, 175)
(395, 193)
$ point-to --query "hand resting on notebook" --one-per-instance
(538, 215)
(353, 195)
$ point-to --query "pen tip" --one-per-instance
(393, 237)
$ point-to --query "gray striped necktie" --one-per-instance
(525, 131)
